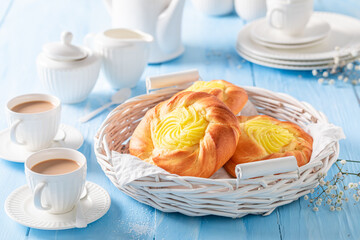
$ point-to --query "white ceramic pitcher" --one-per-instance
(160, 18)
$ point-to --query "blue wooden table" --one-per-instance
(26, 25)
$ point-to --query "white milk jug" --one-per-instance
(160, 18)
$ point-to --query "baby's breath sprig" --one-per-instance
(342, 71)
(333, 193)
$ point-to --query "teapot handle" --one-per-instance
(108, 4)
(169, 26)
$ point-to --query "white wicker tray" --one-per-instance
(230, 197)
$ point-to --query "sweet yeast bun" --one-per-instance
(233, 96)
(263, 137)
(191, 134)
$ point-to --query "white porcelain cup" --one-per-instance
(124, 52)
(34, 131)
(250, 9)
(56, 193)
(289, 16)
(214, 7)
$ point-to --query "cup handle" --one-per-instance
(13, 128)
(37, 196)
(270, 18)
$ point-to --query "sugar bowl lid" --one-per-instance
(64, 50)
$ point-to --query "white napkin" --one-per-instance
(323, 134)
(129, 168)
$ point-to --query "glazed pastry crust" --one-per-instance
(202, 159)
(233, 96)
(249, 150)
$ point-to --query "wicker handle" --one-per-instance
(266, 167)
(172, 79)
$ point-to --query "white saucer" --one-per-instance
(71, 138)
(288, 46)
(316, 30)
(344, 34)
(325, 62)
(19, 207)
(285, 65)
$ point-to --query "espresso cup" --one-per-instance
(289, 16)
(34, 130)
(56, 193)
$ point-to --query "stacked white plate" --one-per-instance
(328, 35)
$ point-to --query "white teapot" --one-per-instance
(160, 18)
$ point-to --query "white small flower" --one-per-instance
(330, 187)
(346, 79)
(339, 174)
(343, 162)
(331, 81)
(355, 185)
(321, 80)
(306, 197)
(346, 188)
(312, 190)
(358, 192)
(325, 74)
(350, 66)
(320, 199)
(327, 183)
(338, 209)
(354, 53)
(338, 201)
(318, 203)
(322, 182)
(341, 193)
(340, 77)
(328, 191)
(332, 195)
(357, 67)
(311, 200)
(354, 82)
(314, 72)
(351, 185)
(315, 209)
(334, 187)
(332, 208)
(328, 201)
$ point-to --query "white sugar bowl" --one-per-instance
(68, 71)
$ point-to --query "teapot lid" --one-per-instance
(64, 50)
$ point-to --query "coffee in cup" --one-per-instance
(56, 177)
(55, 166)
(34, 120)
(33, 107)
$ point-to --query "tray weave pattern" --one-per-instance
(195, 196)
